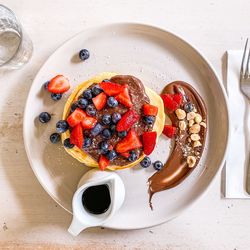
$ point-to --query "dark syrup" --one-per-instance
(96, 199)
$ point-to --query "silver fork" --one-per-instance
(245, 89)
(244, 73)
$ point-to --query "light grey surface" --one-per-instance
(28, 214)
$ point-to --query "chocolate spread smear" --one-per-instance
(176, 168)
(139, 98)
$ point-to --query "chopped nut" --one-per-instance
(191, 160)
(195, 137)
(180, 113)
(195, 129)
(198, 118)
(191, 123)
(203, 124)
(189, 140)
(197, 153)
(191, 116)
(182, 125)
(197, 144)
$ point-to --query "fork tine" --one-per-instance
(247, 66)
(243, 60)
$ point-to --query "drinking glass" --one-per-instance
(15, 46)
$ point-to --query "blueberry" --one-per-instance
(96, 90)
(104, 147)
(44, 117)
(87, 142)
(87, 94)
(45, 85)
(91, 110)
(106, 119)
(111, 155)
(73, 107)
(67, 143)
(106, 133)
(97, 129)
(189, 107)
(82, 103)
(158, 165)
(116, 117)
(55, 137)
(106, 80)
(146, 162)
(56, 97)
(149, 119)
(62, 126)
(112, 102)
(113, 128)
(84, 54)
(133, 156)
(122, 134)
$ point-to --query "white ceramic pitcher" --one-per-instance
(82, 218)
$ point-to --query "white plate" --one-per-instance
(157, 57)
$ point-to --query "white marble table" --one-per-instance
(29, 217)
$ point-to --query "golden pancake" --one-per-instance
(85, 158)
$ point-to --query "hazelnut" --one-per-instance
(197, 144)
(191, 160)
(191, 116)
(182, 125)
(195, 137)
(203, 124)
(191, 123)
(195, 129)
(198, 118)
(180, 113)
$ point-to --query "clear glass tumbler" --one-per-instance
(15, 46)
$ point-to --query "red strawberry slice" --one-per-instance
(169, 131)
(149, 109)
(76, 136)
(111, 89)
(103, 162)
(88, 122)
(169, 103)
(100, 101)
(125, 154)
(131, 141)
(149, 141)
(76, 117)
(124, 98)
(127, 120)
(59, 84)
(178, 98)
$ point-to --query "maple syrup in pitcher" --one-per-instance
(96, 199)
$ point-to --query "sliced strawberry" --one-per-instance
(100, 101)
(103, 162)
(76, 136)
(124, 98)
(88, 122)
(127, 120)
(178, 98)
(125, 154)
(131, 141)
(59, 84)
(149, 141)
(169, 102)
(76, 117)
(169, 131)
(149, 109)
(111, 89)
